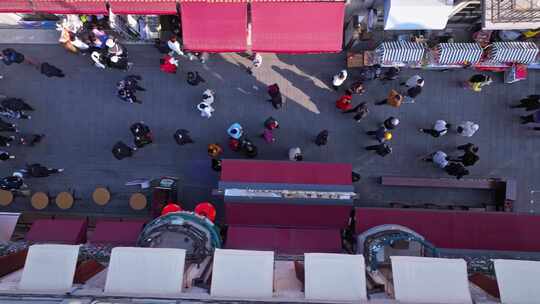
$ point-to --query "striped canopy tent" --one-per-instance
(400, 51)
(514, 52)
(458, 53)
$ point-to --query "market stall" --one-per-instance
(513, 52)
(457, 53)
(400, 53)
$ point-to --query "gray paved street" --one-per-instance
(83, 118)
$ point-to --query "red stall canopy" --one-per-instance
(15, 6)
(58, 231)
(460, 229)
(144, 7)
(297, 27)
(70, 6)
(284, 240)
(214, 27)
(117, 233)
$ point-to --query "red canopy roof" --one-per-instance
(138, 7)
(57, 231)
(117, 233)
(214, 27)
(70, 6)
(15, 6)
(459, 229)
(297, 27)
(284, 240)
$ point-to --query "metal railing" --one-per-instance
(507, 11)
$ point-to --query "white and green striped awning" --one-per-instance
(458, 53)
(513, 52)
(400, 51)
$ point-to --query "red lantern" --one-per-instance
(170, 207)
(207, 210)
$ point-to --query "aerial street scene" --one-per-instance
(262, 151)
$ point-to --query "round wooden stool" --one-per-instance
(39, 200)
(64, 200)
(6, 197)
(137, 201)
(101, 196)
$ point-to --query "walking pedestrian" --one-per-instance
(530, 103)
(182, 137)
(216, 164)
(268, 136)
(414, 81)
(381, 134)
(456, 169)
(256, 61)
(412, 93)
(5, 156)
(339, 79)
(467, 128)
(214, 150)
(344, 103)
(13, 183)
(439, 129)
(532, 118)
(168, 64)
(391, 123)
(7, 127)
(357, 88)
(120, 150)
(394, 99)
(381, 149)
(295, 154)
(10, 56)
(131, 82)
(31, 140)
(322, 138)
(16, 104)
(5, 140)
(193, 78)
(468, 147)
(391, 73)
(477, 81)
(13, 114)
(361, 111)
(174, 46)
(38, 170)
(469, 158)
(271, 123)
(208, 96)
(205, 109)
(249, 148)
(235, 131)
(275, 96)
(141, 133)
(439, 158)
(50, 70)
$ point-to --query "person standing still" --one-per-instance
(339, 79)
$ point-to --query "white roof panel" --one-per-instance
(518, 281)
(242, 273)
(145, 271)
(49, 267)
(8, 221)
(335, 277)
(430, 280)
(416, 14)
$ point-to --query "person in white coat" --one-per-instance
(206, 109)
(295, 154)
(174, 46)
(208, 96)
(467, 128)
(339, 79)
(414, 81)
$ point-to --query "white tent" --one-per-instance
(335, 277)
(430, 280)
(518, 281)
(416, 14)
(49, 268)
(146, 271)
(242, 273)
(8, 221)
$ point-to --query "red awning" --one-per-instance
(214, 27)
(138, 7)
(459, 229)
(283, 240)
(58, 231)
(297, 27)
(250, 171)
(15, 6)
(70, 6)
(123, 233)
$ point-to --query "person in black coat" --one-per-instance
(7, 127)
(16, 104)
(4, 141)
(322, 138)
(382, 149)
(10, 56)
(30, 139)
(193, 78)
(142, 134)
(120, 150)
(50, 70)
(531, 103)
(38, 170)
(11, 183)
(456, 169)
(181, 136)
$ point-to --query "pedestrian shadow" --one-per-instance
(300, 84)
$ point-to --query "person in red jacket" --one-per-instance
(344, 103)
(168, 64)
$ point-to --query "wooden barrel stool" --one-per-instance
(137, 201)
(101, 196)
(39, 200)
(6, 197)
(64, 200)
